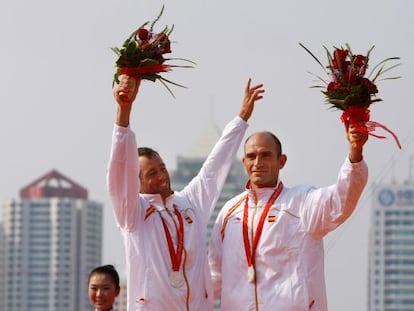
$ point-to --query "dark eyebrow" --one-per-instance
(151, 171)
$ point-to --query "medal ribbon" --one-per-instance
(175, 255)
(250, 253)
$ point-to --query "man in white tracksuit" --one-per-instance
(266, 250)
(165, 231)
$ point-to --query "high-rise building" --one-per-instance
(120, 303)
(53, 239)
(2, 261)
(391, 250)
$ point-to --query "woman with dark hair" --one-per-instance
(103, 287)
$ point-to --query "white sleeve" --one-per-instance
(324, 209)
(205, 189)
(123, 177)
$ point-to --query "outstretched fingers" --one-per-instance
(251, 95)
(255, 92)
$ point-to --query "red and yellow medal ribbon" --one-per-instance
(175, 255)
(251, 251)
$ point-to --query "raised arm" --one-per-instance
(206, 187)
(326, 208)
(251, 94)
(123, 167)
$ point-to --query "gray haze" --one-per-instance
(57, 108)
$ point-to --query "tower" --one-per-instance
(53, 237)
(391, 249)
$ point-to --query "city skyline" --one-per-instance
(186, 168)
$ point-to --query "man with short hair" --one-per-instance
(266, 250)
(164, 230)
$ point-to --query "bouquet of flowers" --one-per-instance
(350, 90)
(142, 54)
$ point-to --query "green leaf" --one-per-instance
(131, 48)
(149, 62)
(156, 19)
(116, 50)
(369, 52)
(311, 54)
(351, 55)
(381, 64)
(171, 82)
(182, 59)
(166, 86)
(330, 60)
(169, 32)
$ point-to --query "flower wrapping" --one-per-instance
(351, 90)
(143, 55)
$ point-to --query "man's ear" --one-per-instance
(282, 160)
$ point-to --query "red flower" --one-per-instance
(339, 57)
(360, 60)
(162, 37)
(351, 77)
(371, 87)
(166, 48)
(333, 87)
(164, 44)
(143, 34)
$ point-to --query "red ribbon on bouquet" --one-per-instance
(359, 117)
(136, 71)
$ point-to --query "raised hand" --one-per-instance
(357, 141)
(126, 90)
(251, 94)
(125, 94)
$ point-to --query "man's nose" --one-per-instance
(162, 176)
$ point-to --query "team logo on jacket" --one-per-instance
(272, 215)
(271, 218)
(187, 217)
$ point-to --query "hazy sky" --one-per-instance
(57, 108)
